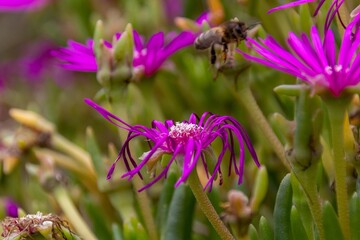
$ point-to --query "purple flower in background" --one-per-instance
(173, 9)
(148, 57)
(186, 141)
(38, 64)
(11, 208)
(35, 66)
(313, 60)
(22, 5)
(78, 57)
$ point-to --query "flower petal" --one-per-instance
(291, 4)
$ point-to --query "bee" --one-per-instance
(230, 32)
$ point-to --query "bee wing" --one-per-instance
(253, 25)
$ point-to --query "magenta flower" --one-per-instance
(313, 60)
(78, 57)
(148, 57)
(22, 5)
(173, 9)
(11, 208)
(186, 141)
(36, 65)
(293, 4)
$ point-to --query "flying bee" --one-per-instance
(230, 32)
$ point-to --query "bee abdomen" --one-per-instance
(206, 39)
(200, 43)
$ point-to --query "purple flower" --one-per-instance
(313, 60)
(78, 57)
(11, 208)
(173, 8)
(148, 57)
(186, 141)
(22, 5)
(292, 4)
(38, 64)
(35, 66)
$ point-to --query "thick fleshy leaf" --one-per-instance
(331, 223)
(180, 216)
(283, 204)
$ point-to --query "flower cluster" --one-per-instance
(186, 141)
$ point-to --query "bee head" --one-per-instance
(240, 30)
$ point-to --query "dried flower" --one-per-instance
(48, 226)
(186, 141)
(312, 59)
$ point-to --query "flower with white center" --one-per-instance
(186, 142)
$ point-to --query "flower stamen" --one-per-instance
(181, 132)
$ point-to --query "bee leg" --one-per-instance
(212, 54)
(225, 52)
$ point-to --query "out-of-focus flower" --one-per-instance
(313, 60)
(11, 208)
(238, 211)
(186, 141)
(148, 57)
(22, 5)
(78, 57)
(3, 74)
(35, 66)
(38, 64)
(173, 9)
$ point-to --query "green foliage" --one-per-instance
(180, 214)
(297, 227)
(266, 231)
(282, 210)
(355, 216)
(331, 223)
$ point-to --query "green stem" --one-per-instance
(245, 97)
(307, 152)
(337, 116)
(72, 214)
(315, 208)
(207, 207)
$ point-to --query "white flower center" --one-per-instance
(142, 53)
(330, 70)
(183, 131)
